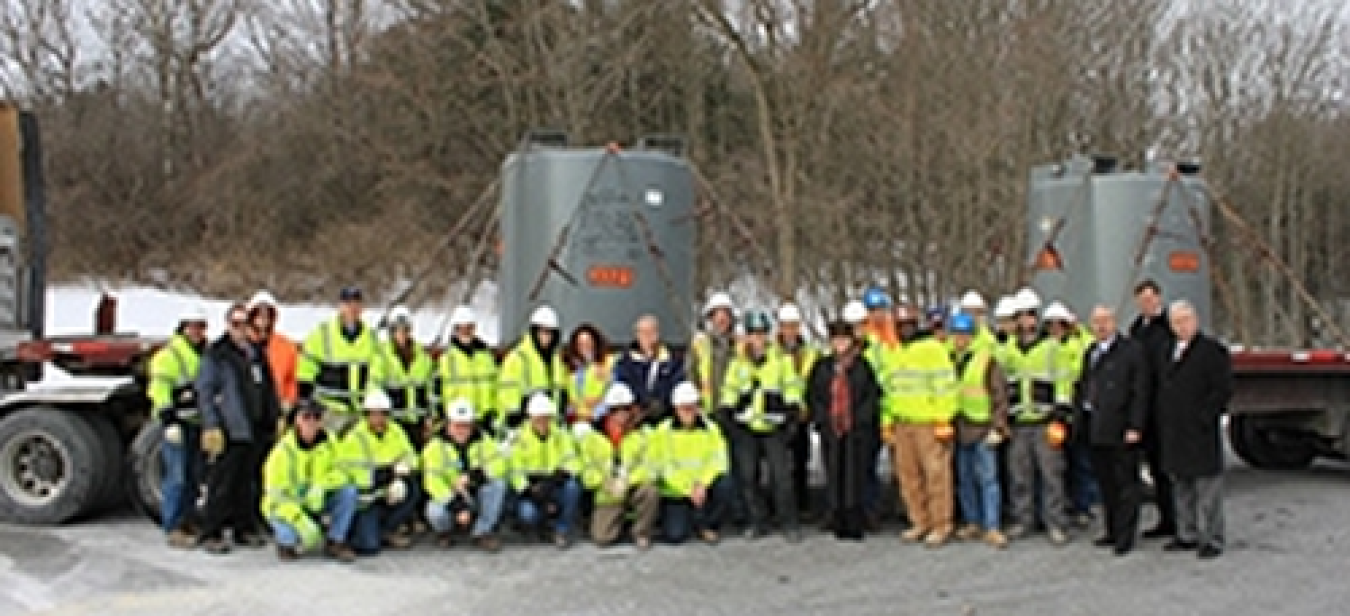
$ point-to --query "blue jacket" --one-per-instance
(651, 379)
(236, 391)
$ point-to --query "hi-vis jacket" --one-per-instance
(444, 461)
(173, 369)
(686, 457)
(533, 455)
(918, 383)
(469, 371)
(297, 477)
(757, 391)
(632, 461)
(338, 368)
(1036, 380)
(408, 385)
(525, 372)
(362, 454)
(803, 356)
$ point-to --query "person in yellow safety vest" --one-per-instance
(302, 486)
(761, 401)
(692, 459)
(1080, 482)
(981, 426)
(920, 386)
(618, 468)
(534, 366)
(464, 475)
(543, 466)
(173, 370)
(972, 304)
(405, 370)
(712, 349)
(590, 373)
(468, 370)
(803, 356)
(336, 360)
(380, 461)
(1005, 319)
(1030, 361)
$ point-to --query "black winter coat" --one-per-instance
(1117, 388)
(1192, 396)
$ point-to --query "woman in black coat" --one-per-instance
(844, 399)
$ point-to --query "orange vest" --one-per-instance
(282, 356)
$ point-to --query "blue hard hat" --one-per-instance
(961, 323)
(876, 299)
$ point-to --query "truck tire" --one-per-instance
(112, 494)
(145, 471)
(1265, 448)
(51, 464)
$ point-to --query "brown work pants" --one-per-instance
(923, 465)
(607, 520)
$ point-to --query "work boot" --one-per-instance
(937, 538)
(1057, 536)
(488, 543)
(996, 539)
(182, 540)
(915, 534)
(1017, 531)
(339, 551)
(287, 553)
(642, 543)
(216, 546)
(397, 541)
(249, 540)
(969, 532)
(709, 537)
(445, 540)
(562, 540)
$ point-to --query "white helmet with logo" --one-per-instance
(460, 410)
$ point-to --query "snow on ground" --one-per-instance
(154, 312)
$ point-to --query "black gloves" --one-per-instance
(477, 478)
(305, 390)
(745, 400)
(1063, 412)
(384, 476)
(515, 419)
(488, 424)
(168, 417)
(561, 476)
(185, 397)
(540, 489)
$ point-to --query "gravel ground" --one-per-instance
(1284, 557)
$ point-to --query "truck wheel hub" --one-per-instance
(37, 468)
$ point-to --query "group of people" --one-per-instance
(352, 441)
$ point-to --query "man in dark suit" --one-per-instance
(1194, 386)
(1151, 330)
(1111, 410)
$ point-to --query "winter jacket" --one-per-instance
(651, 378)
(444, 461)
(586, 387)
(710, 355)
(469, 372)
(335, 368)
(408, 384)
(533, 456)
(173, 370)
(919, 383)
(369, 458)
(756, 391)
(234, 387)
(527, 371)
(298, 476)
(283, 356)
(599, 462)
(685, 457)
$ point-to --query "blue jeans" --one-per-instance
(977, 484)
(487, 511)
(182, 477)
(1083, 489)
(340, 507)
(379, 518)
(680, 518)
(568, 500)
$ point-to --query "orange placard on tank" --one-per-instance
(1183, 262)
(613, 276)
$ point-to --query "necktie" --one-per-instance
(1181, 348)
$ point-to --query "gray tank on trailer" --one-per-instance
(604, 235)
(1088, 222)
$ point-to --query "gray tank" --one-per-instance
(1088, 222)
(604, 216)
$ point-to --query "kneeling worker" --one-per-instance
(463, 474)
(302, 484)
(543, 463)
(380, 460)
(692, 457)
(617, 466)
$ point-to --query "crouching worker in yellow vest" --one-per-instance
(380, 460)
(616, 466)
(543, 465)
(692, 457)
(302, 487)
(464, 474)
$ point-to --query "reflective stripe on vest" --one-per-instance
(974, 402)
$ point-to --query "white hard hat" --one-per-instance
(1027, 299)
(855, 312)
(972, 301)
(1057, 311)
(194, 313)
(400, 315)
(540, 405)
(460, 410)
(1006, 308)
(544, 316)
(262, 298)
(719, 300)
(685, 393)
(377, 400)
(789, 313)
(619, 394)
(463, 315)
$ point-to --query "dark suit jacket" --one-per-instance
(1156, 337)
(1116, 389)
(1192, 395)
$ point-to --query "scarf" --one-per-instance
(841, 399)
